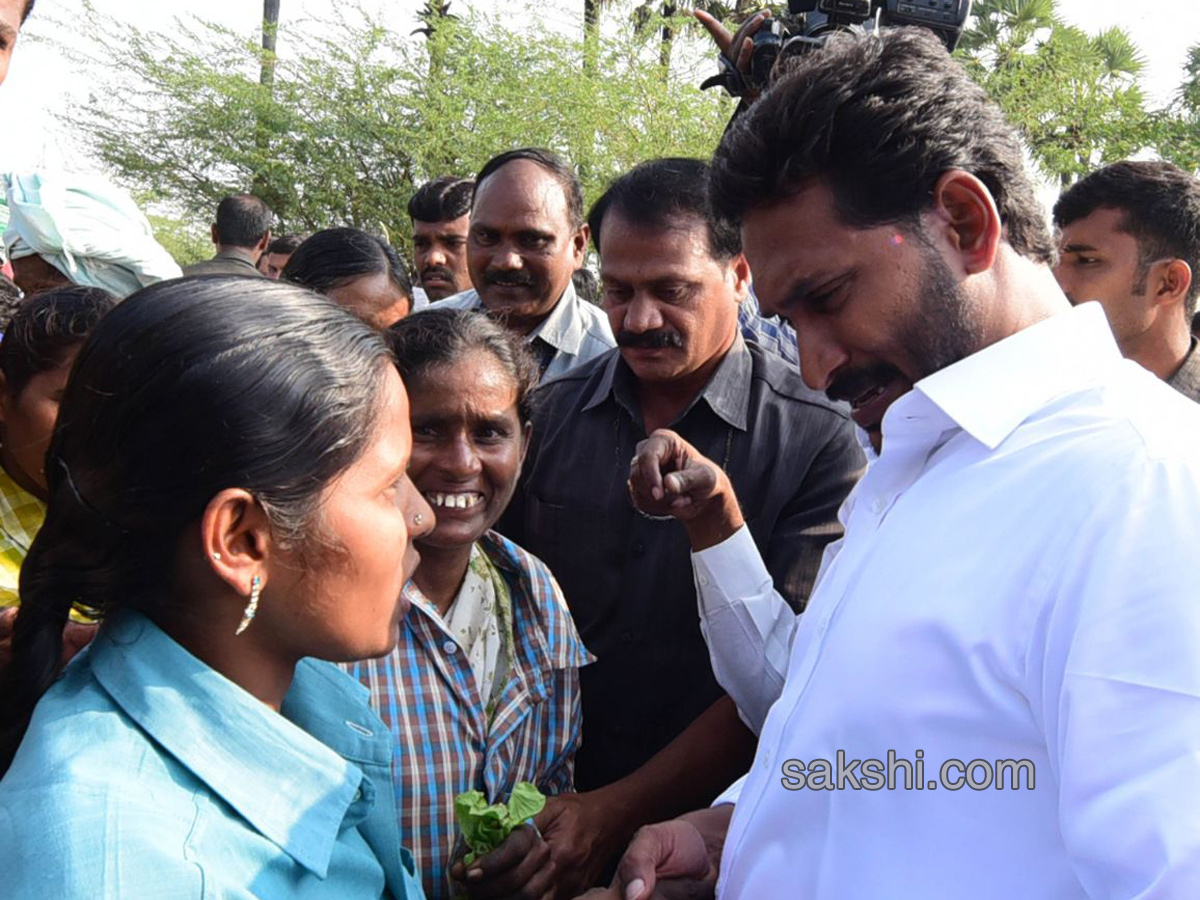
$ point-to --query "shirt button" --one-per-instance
(450, 647)
(639, 549)
(703, 579)
(358, 795)
(877, 505)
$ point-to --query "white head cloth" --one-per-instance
(87, 228)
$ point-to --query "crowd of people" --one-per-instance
(850, 452)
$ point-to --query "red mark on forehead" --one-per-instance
(897, 239)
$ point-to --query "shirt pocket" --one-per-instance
(579, 545)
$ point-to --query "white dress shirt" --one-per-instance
(1017, 581)
(575, 331)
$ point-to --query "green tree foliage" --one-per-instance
(1179, 124)
(358, 115)
(1076, 97)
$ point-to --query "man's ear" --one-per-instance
(263, 243)
(741, 277)
(236, 538)
(216, 235)
(1172, 282)
(965, 214)
(579, 243)
(526, 436)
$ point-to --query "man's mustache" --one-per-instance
(659, 339)
(516, 278)
(430, 272)
(851, 385)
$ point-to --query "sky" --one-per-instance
(42, 80)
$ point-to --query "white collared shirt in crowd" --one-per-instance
(574, 332)
(1017, 582)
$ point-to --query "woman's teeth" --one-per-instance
(454, 501)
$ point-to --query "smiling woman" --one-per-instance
(486, 669)
(227, 494)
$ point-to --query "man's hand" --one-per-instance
(675, 860)
(739, 47)
(668, 476)
(8, 615)
(519, 869)
(585, 834)
(76, 636)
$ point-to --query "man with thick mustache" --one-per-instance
(526, 238)
(1013, 608)
(658, 734)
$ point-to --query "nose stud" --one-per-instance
(418, 520)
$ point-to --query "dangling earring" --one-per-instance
(252, 606)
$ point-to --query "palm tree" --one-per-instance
(270, 30)
(591, 32)
(432, 16)
(266, 78)
(1006, 25)
(1120, 54)
(644, 13)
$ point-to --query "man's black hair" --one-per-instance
(1161, 207)
(552, 163)
(880, 118)
(45, 327)
(587, 286)
(442, 200)
(285, 243)
(242, 220)
(27, 11)
(659, 193)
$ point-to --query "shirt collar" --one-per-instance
(727, 392)
(991, 392)
(289, 786)
(1186, 379)
(563, 329)
(236, 257)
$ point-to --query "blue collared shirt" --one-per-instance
(146, 774)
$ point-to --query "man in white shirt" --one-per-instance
(525, 240)
(1013, 609)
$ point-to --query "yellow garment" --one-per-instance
(21, 518)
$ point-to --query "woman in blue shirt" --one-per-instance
(227, 489)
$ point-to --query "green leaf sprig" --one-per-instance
(485, 827)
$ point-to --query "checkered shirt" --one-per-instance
(21, 517)
(770, 334)
(426, 693)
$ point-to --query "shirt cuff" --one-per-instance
(733, 793)
(730, 570)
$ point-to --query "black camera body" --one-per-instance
(810, 22)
